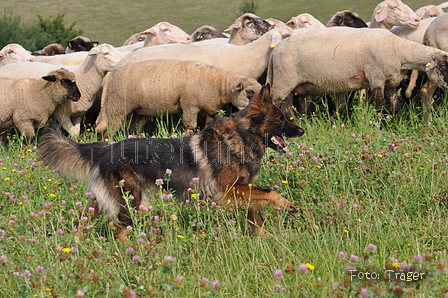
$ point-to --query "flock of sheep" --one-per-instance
(165, 70)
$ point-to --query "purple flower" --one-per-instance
(342, 256)
(170, 259)
(168, 171)
(354, 258)
(204, 282)
(417, 258)
(195, 180)
(3, 259)
(136, 258)
(371, 248)
(364, 293)
(215, 284)
(278, 274)
(303, 268)
(279, 288)
(159, 181)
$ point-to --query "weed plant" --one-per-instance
(372, 192)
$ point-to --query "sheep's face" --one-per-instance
(396, 13)
(241, 96)
(14, 53)
(437, 71)
(347, 19)
(67, 80)
(107, 57)
(249, 27)
(79, 44)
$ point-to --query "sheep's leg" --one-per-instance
(391, 94)
(287, 106)
(380, 100)
(62, 115)
(190, 117)
(341, 102)
(426, 97)
(26, 128)
(76, 129)
(412, 83)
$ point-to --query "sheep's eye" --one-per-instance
(10, 52)
(286, 35)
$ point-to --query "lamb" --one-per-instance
(80, 44)
(13, 53)
(434, 37)
(89, 77)
(247, 28)
(157, 87)
(249, 60)
(75, 58)
(431, 11)
(346, 18)
(391, 13)
(350, 59)
(28, 103)
(205, 33)
(304, 20)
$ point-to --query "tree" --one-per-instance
(248, 6)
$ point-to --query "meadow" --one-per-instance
(114, 21)
(373, 197)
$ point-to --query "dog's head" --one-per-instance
(269, 121)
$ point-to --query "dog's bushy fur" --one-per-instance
(225, 156)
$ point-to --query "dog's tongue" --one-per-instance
(277, 140)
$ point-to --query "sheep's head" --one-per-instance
(304, 20)
(391, 13)
(165, 33)
(437, 70)
(248, 28)
(66, 79)
(13, 53)
(79, 44)
(106, 57)
(206, 32)
(346, 18)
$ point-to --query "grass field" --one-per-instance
(371, 198)
(114, 21)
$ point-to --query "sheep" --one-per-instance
(157, 87)
(28, 103)
(304, 20)
(434, 37)
(350, 59)
(135, 38)
(80, 44)
(205, 33)
(346, 18)
(431, 11)
(249, 60)
(89, 77)
(391, 13)
(13, 53)
(50, 50)
(247, 28)
(75, 58)
(165, 33)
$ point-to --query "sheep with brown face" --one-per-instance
(50, 50)
(27, 103)
(206, 32)
(346, 18)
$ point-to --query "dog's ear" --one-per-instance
(265, 96)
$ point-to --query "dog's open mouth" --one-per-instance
(278, 143)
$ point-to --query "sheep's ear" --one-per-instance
(94, 51)
(236, 25)
(238, 87)
(51, 78)
(2, 55)
(381, 13)
(443, 5)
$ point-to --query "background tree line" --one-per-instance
(35, 36)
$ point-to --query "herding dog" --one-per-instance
(226, 156)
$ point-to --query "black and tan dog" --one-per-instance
(225, 156)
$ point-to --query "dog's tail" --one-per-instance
(72, 159)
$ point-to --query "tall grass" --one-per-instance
(372, 192)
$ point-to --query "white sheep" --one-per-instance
(435, 36)
(390, 13)
(89, 77)
(75, 58)
(165, 33)
(249, 60)
(304, 20)
(349, 59)
(13, 53)
(247, 28)
(431, 11)
(275, 22)
(27, 103)
(160, 87)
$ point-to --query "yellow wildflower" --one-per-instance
(309, 266)
(345, 231)
(7, 179)
(395, 264)
(52, 195)
(66, 250)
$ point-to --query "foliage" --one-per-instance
(372, 191)
(248, 6)
(35, 36)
